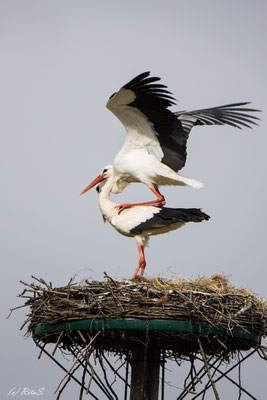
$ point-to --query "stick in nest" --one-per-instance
(76, 361)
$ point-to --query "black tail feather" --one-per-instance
(168, 216)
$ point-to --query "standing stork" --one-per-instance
(155, 146)
(140, 222)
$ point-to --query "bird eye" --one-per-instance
(105, 170)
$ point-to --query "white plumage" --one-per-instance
(140, 222)
(153, 152)
(156, 138)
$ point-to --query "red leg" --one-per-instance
(142, 261)
(158, 203)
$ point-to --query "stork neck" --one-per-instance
(106, 189)
(106, 206)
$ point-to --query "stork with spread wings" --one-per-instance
(155, 146)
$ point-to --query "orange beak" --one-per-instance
(92, 184)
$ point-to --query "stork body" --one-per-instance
(140, 222)
(156, 138)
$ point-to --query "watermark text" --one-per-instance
(25, 391)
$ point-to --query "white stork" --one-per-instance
(155, 145)
(140, 222)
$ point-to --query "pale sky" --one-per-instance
(60, 62)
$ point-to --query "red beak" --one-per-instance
(92, 184)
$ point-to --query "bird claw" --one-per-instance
(122, 207)
(157, 203)
(161, 203)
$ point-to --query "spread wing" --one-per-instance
(142, 105)
(169, 216)
(235, 115)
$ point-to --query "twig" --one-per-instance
(224, 375)
(190, 374)
(91, 377)
(216, 368)
(15, 308)
(75, 362)
(83, 375)
(42, 282)
(65, 383)
(105, 377)
(208, 370)
(41, 352)
(109, 277)
(112, 280)
(75, 351)
(115, 370)
(239, 378)
(64, 369)
(243, 310)
(261, 353)
(83, 338)
(57, 343)
(198, 376)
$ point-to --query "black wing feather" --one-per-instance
(153, 100)
(172, 129)
(230, 114)
(169, 216)
(152, 93)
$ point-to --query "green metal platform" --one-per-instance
(183, 327)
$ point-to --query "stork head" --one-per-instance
(107, 172)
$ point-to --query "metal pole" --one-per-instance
(145, 363)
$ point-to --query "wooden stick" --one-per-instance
(208, 370)
(15, 308)
(41, 281)
(91, 378)
(41, 352)
(224, 375)
(83, 375)
(83, 338)
(57, 343)
(75, 362)
(112, 280)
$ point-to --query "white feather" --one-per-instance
(139, 160)
(127, 220)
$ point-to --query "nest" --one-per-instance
(212, 302)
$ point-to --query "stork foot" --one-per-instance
(122, 207)
(160, 202)
(142, 261)
(142, 265)
(136, 272)
(156, 203)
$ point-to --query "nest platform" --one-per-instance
(171, 314)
